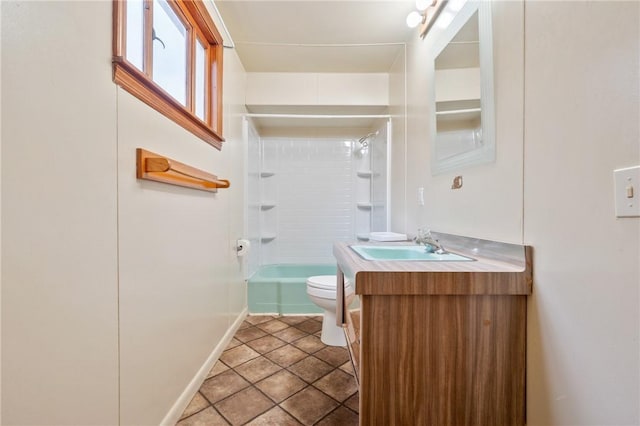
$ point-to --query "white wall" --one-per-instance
(454, 84)
(59, 217)
(582, 103)
(370, 89)
(313, 189)
(398, 163)
(581, 107)
(115, 291)
(490, 203)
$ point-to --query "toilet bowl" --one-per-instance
(321, 290)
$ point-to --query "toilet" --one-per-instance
(321, 290)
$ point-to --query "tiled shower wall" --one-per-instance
(252, 259)
(313, 192)
(378, 154)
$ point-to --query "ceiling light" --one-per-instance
(428, 11)
(414, 19)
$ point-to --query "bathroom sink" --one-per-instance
(405, 253)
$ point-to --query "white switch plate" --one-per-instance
(627, 190)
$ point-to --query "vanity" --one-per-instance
(438, 342)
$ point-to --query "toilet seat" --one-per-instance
(324, 282)
(324, 286)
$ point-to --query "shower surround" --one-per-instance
(304, 194)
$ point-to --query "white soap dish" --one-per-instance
(387, 236)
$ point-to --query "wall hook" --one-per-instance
(457, 182)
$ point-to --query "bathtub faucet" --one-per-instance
(431, 244)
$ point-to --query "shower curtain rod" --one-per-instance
(316, 116)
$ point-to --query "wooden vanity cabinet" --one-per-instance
(438, 348)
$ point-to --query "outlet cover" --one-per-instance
(627, 191)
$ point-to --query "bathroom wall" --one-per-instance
(378, 182)
(114, 291)
(253, 198)
(489, 205)
(552, 188)
(317, 89)
(180, 282)
(311, 194)
(582, 103)
(398, 163)
(59, 215)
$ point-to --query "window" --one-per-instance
(168, 53)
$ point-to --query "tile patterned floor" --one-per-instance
(276, 371)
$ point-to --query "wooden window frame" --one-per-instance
(140, 84)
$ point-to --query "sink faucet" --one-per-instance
(431, 244)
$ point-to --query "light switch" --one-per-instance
(627, 185)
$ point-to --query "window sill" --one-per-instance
(136, 83)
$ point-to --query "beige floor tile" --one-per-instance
(309, 326)
(286, 355)
(233, 343)
(198, 403)
(258, 319)
(342, 417)
(293, 319)
(275, 416)
(266, 344)
(238, 355)
(222, 385)
(310, 369)
(334, 355)
(218, 367)
(272, 326)
(244, 406)
(347, 367)
(309, 405)
(337, 384)
(309, 344)
(282, 356)
(257, 369)
(208, 417)
(281, 385)
(353, 402)
(290, 334)
(248, 334)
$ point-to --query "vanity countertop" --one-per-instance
(512, 263)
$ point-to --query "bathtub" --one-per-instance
(282, 289)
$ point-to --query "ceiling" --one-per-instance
(317, 36)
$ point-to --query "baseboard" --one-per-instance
(176, 411)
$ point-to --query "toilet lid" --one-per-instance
(325, 282)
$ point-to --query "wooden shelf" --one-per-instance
(158, 168)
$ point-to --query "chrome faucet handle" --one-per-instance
(424, 234)
(431, 244)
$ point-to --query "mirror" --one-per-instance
(462, 87)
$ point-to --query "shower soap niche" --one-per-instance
(387, 236)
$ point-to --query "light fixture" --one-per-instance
(428, 11)
(414, 19)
